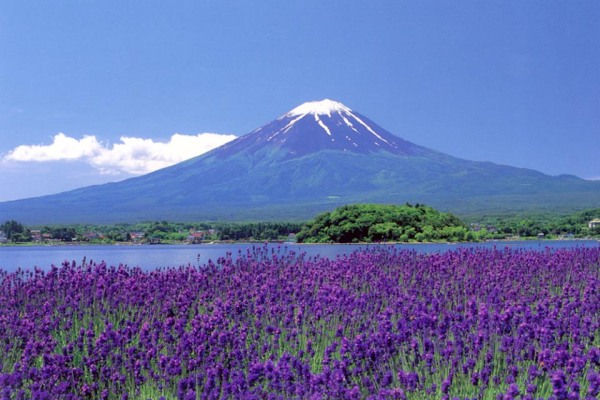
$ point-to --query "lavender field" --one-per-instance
(260, 324)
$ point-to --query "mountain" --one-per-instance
(318, 126)
(313, 158)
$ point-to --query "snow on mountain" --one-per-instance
(322, 125)
(326, 108)
(323, 107)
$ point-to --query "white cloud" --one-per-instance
(62, 148)
(131, 155)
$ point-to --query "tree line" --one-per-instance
(552, 225)
(352, 223)
(151, 232)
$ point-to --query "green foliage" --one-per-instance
(530, 225)
(377, 222)
(64, 234)
(256, 231)
(155, 231)
(15, 231)
(347, 224)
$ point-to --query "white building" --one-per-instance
(594, 224)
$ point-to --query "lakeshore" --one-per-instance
(149, 257)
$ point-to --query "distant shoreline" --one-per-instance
(231, 242)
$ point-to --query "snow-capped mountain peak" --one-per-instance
(316, 126)
(336, 114)
(323, 107)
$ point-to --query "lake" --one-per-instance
(150, 257)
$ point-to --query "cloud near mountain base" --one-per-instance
(131, 155)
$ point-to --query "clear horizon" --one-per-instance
(93, 92)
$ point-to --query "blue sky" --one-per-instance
(97, 91)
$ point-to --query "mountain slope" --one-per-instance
(315, 157)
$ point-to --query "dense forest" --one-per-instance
(382, 223)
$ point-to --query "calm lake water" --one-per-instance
(151, 257)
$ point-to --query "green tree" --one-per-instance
(65, 234)
(377, 222)
(385, 231)
(15, 231)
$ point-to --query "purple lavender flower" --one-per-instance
(559, 384)
(266, 325)
(594, 384)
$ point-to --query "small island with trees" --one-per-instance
(366, 223)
